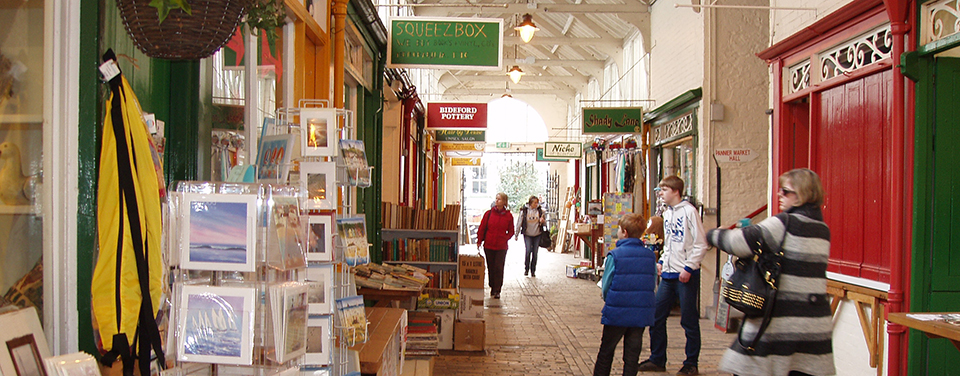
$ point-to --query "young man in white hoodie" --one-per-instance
(679, 268)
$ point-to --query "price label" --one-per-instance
(109, 70)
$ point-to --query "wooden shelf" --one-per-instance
(19, 209)
(423, 262)
(21, 119)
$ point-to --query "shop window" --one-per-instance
(478, 178)
(679, 159)
(21, 158)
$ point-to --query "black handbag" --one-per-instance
(752, 289)
(544, 237)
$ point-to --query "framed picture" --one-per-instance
(320, 238)
(352, 232)
(217, 324)
(273, 157)
(25, 356)
(219, 232)
(355, 158)
(319, 181)
(318, 128)
(319, 340)
(320, 293)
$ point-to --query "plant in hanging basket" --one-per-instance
(192, 29)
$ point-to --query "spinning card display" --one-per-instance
(352, 232)
(219, 232)
(319, 131)
(216, 324)
(319, 181)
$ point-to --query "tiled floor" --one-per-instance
(550, 325)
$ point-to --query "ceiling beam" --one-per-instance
(565, 41)
(564, 93)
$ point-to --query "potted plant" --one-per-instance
(193, 29)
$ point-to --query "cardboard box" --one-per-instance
(572, 270)
(445, 319)
(418, 367)
(469, 335)
(472, 270)
(439, 299)
(471, 304)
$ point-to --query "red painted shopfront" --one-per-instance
(837, 115)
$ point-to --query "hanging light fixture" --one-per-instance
(515, 73)
(527, 28)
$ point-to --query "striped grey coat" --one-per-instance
(799, 337)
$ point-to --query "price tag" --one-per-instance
(109, 70)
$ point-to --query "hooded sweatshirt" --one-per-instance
(684, 241)
(496, 228)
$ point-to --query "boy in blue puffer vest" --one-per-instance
(628, 283)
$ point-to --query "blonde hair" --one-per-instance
(807, 185)
(504, 196)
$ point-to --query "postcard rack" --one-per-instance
(237, 255)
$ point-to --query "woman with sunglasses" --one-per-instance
(798, 338)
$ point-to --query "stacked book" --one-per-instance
(391, 277)
(422, 337)
(405, 217)
(432, 250)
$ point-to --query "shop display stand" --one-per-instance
(198, 264)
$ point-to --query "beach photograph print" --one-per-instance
(289, 238)
(219, 232)
(319, 181)
(320, 279)
(353, 233)
(295, 305)
(319, 131)
(319, 341)
(353, 319)
(320, 238)
(217, 324)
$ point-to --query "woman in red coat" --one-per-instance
(495, 230)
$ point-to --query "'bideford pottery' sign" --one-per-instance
(562, 150)
(456, 115)
(612, 119)
(445, 43)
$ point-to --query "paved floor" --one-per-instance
(550, 325)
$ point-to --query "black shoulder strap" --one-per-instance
(768, 309)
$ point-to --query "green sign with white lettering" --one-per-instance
(456, 135)
(612, 119)
(445, 43)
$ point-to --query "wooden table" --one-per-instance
(933, 329)
(592, 239)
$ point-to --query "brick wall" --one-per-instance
(676, 51)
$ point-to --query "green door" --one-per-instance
(937, 219)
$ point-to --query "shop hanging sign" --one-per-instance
(612, 119)
(445, 43)
(464, 161)
(445, 147)
(456, 115)
(460, 135)
(562, 150)
(541, 158)
(734, 155)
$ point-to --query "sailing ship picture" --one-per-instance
(219, 232)
(217, 324)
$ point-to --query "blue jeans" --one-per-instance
(667, 293)
(532, 245)
(632, 343)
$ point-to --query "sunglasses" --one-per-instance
(784, 191)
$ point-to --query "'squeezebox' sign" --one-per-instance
(562, 150)
(612, 119)
(445, 43)
(456, 115)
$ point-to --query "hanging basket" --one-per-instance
(182, 36)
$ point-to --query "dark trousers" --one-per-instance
(795, 373)
(668, 292)
(632, 343)
(495, 262)
(532, 244)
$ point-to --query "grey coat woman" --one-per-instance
(798, 340)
